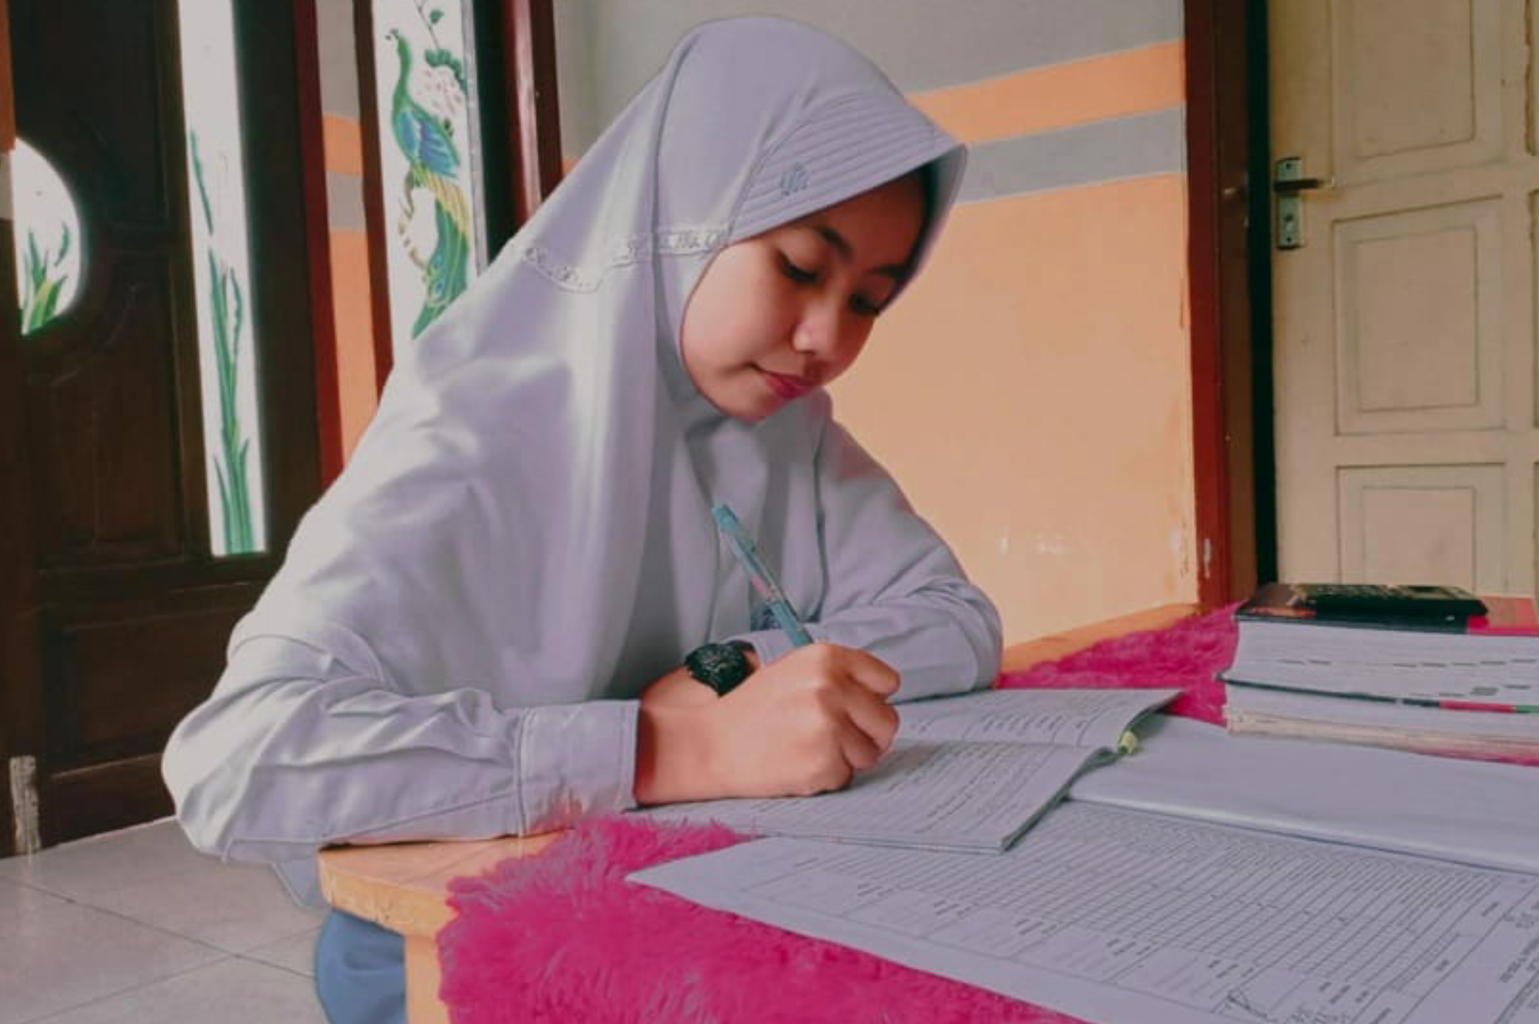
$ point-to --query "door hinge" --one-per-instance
(28, 837)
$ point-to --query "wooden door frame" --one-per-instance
(1229, 262)
(317, 238)
(15, 579)
(520, 135)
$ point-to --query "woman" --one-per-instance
(485, 626)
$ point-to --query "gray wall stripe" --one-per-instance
(344, 201)
(1118, 147)
(606, 49)
(338, 57)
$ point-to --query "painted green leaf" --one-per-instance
(227, 513)
(227, 314)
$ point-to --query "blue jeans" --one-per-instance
(360, 971)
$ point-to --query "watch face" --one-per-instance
(719, 666)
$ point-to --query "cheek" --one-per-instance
(775, 308)
(742, 308)
(703, 323)
(709, 312)
(756, 315)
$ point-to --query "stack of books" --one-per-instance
(1430, 669)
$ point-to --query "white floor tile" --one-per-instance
(233, 991)
(105, 862)
(295, 953)
(57, 954)
(152, 874)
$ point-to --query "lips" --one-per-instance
(788, 388)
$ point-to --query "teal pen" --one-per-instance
(758, 573)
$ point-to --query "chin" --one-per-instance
(750, 413)
(748, 404)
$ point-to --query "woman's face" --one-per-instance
(783, 312)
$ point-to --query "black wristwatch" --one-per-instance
(720, 666)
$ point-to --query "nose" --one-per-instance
(821, 331)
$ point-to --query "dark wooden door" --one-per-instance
(114, 612)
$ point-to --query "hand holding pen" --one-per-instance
(801, 724)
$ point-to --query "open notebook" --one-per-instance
(965, 773)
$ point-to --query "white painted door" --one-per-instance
(1407, 428)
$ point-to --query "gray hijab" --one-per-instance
(529, 511)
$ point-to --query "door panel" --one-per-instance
(102, 418)
(1419, 322)
(119, 625)
(1454, 512)
(1407, 434)
(101, 656)
(1419, 85)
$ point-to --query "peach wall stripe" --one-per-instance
(355, 333)
(1127, 82)
(343, 141)
(1032, 395)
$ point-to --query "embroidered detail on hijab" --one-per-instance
(637, 249)
(794, 179)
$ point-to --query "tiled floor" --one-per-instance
(137, 926)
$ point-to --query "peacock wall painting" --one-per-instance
(429, 128)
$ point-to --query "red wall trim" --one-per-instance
(1209, 462)
(1228, 264)
(323, 322)
(529, 47)
(373, 193)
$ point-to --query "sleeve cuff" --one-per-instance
(575, 761)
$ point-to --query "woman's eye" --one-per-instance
(799, 274)
(863, 306)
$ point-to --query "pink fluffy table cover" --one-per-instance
(563, 937)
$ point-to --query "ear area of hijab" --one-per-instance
(841, 149)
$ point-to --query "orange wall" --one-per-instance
(1044, 423)
(350, 286)
(1032, 391)
(355, 333)
(1127, 82)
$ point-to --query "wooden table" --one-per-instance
(403, 886)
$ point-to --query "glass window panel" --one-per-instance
(429, 156)
(221, 267)
(47, 238)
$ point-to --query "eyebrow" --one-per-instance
(842, 246)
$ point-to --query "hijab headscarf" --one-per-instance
(529, 511)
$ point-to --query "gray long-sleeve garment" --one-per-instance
(522, 540)
(305, 743)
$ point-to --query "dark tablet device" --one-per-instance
(1359, 600)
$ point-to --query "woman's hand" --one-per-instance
(800, 725)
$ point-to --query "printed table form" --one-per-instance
(1120, 916)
